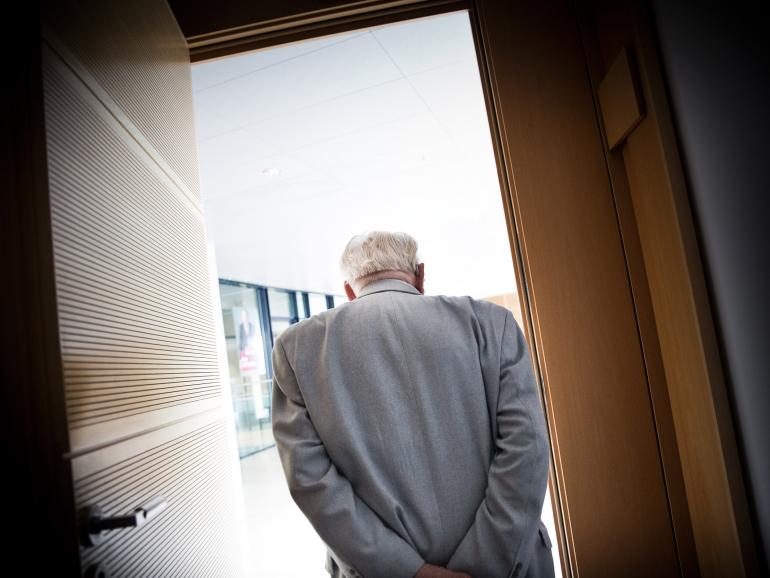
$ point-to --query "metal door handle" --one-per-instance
(93, 526)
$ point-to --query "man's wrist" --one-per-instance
(426, 571)
(432, 571)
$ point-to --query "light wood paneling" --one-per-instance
(649, 163)
(656, 378)
(239, 27)
(585, 330)
(620, 98)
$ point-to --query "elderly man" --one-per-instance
(410, 428)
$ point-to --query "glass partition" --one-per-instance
(253, 317)
(250, 373)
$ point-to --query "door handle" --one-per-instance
(94, 527)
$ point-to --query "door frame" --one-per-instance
(675, 309)
(675, 377)
(296, 28)
(38, 485)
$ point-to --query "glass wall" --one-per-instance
(253, 317)
(248, 367)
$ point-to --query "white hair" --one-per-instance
(377, 251)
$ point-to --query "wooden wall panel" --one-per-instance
(656, 377)
(649, 167)
(584, 326)
(239, 14)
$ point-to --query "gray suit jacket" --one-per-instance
(410, 430)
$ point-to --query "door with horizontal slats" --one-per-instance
(136, 317)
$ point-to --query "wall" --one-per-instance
(718, 89)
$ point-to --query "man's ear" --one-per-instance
(349, 291)
(420, 284)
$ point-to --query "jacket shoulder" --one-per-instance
(482, 309)
(304, 328)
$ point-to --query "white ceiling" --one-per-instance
(304, 145)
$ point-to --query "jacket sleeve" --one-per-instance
(347, 525)
(500, 541)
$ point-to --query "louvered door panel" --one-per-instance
(137, 324)
(132, 284)
(170, 545)
(134, 54)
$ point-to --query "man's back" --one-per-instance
(403, 392)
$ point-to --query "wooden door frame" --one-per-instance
(692, 373)
(677, 323)
(294, 28)
(39, 493)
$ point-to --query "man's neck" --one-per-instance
(390, 274)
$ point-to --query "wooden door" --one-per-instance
(584, 320)
(134, 293)
(700, 446)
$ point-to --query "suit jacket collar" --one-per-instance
(387, 285)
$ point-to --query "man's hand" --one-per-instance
(431, 571)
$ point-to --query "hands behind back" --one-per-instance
(431, 571)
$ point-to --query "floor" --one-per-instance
(280, 543)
